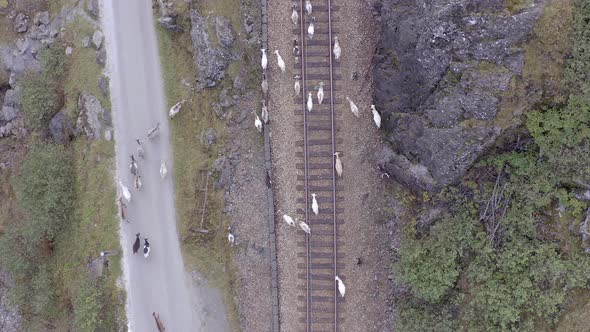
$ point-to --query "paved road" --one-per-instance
(157, 284)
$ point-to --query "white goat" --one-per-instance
(289, 220)
(176, 108)
(264, 61)
(163, 169)
(311, 28)
(230, 236)
(341, 287)
(376, 116)
(321, 93)
(336, 50)
(280, 61)
(314, 204)
(309, 102)
(125, 191)
(297, 86)
(353, 108)
(304, 227)
(264, 113)
(294, 15)
(338, 164)
(308, 7)
(257, 122)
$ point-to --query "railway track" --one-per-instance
(320, 304)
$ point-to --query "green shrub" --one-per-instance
(87, 307)
(45, 190)
(44, 300)
(40, 100)
(54, 63)
(430, 266)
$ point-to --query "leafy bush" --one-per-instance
(40, 100)
(431, 265)
(45, 190)
(54, 63)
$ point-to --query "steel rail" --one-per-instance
(333, 163)
(305, 156)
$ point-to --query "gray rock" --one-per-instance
(86, 41)
(219, 111)
(12, 98)
(441, 72)
(93, 8)
(208, 137)
(18, 63)
(170, 22)
(108, 134)
(8, 113)
(225, 32)
(61, 127)
(221, 172)
(248, 24)
(89, 119)
(41, 18)
(69, 50)
(103, 84)
(21, 23)
(211, 62)
(101, 57)
(239, 82)
(97, 38)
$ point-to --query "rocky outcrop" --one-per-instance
(11, 121)
(97, 38)
(210, 61)
(92, 117)
(442, 71)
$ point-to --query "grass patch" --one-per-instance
(547, 52)
(59, 292)
(84, 72)
(95, 229)
(209, 253)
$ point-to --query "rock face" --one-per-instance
(211, 62)
(442, 69)
(92, 116)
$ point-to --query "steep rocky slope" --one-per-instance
(450, 79)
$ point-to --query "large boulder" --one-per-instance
(61, 127)
(210, 61)
(97, 38)
(225, 32)
(93, 8)
(170, 22)
(92, 116)
(21, 23)
(441, 74)
(41, 18)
